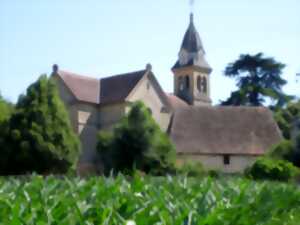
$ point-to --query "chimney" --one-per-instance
(54, 68)
(149, 67)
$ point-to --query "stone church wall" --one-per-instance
(238, 163)
(110, 114)
(146, 92)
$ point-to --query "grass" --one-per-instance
(147, 200)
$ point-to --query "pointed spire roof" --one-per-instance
(192, 52)
(191, 41)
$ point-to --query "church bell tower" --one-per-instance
(191, 71)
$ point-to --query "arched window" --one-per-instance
(187, 82)
(181, 84)
(204, 84)
(199, 83)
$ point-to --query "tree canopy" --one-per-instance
(286, 118)
(6, 108)
(136, 143)
(258, 78)
(39, 136)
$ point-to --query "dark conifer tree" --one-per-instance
(258, 78)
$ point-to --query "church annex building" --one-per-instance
(220, 137)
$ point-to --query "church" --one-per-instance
(223, 138)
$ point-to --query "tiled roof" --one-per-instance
(192, 41)
(224, 130)
(118, 87)
(101, 91)
(192, 52)
(176, 102)
(84, 88)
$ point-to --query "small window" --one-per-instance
(226, 159)
(148, 86)
(181, 85)
(187, 82)
(204, 84)
(199, 83)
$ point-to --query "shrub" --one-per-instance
(213, 173)
(40, 137)
(288, 150)
(190, 168)
(137, 143)
(284, 150)
(273, 169)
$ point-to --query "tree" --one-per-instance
(258, 78)
(40, 137)
(286, 118)
(136, 143)
(6, 109)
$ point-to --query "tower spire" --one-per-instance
(192, 80)
(191, 17)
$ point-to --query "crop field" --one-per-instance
(147, 200)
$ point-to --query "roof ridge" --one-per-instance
(78, 75)
(123, 74)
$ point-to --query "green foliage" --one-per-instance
(136, 143)
(257, 78)
(286, 118)
(6, 109)
(39, 136)
(192, 169)
(273, 169)
(147, 200)
(284, 150)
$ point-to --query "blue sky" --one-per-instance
(101, 38)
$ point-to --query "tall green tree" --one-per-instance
(6, 109)
(258, 78)
(137, 142)
(40, 137)
(286, 118)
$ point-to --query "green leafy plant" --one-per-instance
(147, 200)
(6, 109)
(39, 136)
(136, 143)
(286, 118)
(273, 169)
(191, 168)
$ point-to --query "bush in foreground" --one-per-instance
(39, 136)
(137, 142)
(273, 169)
(148, 200)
